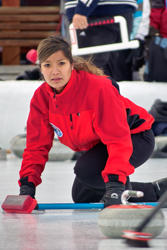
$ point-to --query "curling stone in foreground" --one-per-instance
(114, 219)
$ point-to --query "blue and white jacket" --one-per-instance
(141, 20)
(90, 8)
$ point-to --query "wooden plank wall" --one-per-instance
(24, 27)
(10, 54)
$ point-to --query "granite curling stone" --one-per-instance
(114, 219)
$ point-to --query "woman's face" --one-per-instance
(56, 70)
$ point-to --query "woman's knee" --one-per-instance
(82, 194)
(143, 147)
(92, 163)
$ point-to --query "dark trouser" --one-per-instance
(89, 185)
(156, 65)
(110, 62)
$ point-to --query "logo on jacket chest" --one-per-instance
(58, 132)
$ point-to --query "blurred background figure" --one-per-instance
(156, 64)
(118, 64)
(136, 58)
(64, 21)
(159, 127)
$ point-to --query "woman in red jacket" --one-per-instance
(86, 111)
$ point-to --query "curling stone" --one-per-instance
(160, 142)
(114, 219)
(58, 152)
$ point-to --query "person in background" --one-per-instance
(64, 21)
(85, 109)
(156, 64)
(136, 58)
(113, 63)
(159, 127)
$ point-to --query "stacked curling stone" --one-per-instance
(114, 219)
(58, 152)
(3, 154)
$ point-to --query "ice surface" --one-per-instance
(61, 229)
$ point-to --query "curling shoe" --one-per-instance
(160, 187)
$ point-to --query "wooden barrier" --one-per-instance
(27, 26)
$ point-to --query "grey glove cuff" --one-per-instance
(115, 185)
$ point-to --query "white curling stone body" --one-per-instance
(112, 221)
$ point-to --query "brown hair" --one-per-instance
(52, 44)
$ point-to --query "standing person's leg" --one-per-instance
(123, 68)
(157, 60)
(101, 35)
(89, 185)
(113, 63)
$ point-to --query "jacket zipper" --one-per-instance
(71, 121)
(67, 128)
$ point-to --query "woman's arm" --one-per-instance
(112, 127)
(39, 142)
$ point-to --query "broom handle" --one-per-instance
(43, 206)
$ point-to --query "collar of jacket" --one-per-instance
(70, 90)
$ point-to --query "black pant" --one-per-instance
(89, 185)
(157, 61)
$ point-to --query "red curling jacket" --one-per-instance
(89, 110)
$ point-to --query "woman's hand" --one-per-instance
(113, 193)
(80, 21)
(27, 190)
